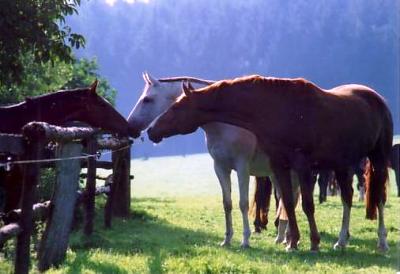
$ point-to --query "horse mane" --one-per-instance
(298, 83)
(43, 96)
(187, 78)
(61, 91)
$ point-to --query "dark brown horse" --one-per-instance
(303, 128)
(57, 108)
(395, 163)
(327, 180)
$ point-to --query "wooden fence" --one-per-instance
(71, 142)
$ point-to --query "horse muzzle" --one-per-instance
(153, 136)
(133, 132)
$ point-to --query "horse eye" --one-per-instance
(147, 100)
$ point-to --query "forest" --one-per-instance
(327, 42)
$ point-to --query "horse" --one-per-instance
(231, 147)
(300, 127)
(260, 204)
(395, 163)
(58, 108)
(327, 181)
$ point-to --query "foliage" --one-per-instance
(83, 73)
(35, 27)
(46, 184)
(39, 78)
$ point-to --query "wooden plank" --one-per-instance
(10, 143)
(121, 194)
(40, 213)
(113, 143)
(33, 150)
(46, 131)
(90, 187)
(54, 244)
(9, 231)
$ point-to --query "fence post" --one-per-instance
(54, 243)
(33, 148)
(121, 194)
(90, 187)
(108, 207)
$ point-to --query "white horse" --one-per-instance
(231, 147)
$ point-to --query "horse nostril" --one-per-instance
(134, 133)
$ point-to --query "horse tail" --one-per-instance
(377, 170)
(253, 203)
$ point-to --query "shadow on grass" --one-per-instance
(157, 239)
(141, 233)
(360, 253)
(83, 260)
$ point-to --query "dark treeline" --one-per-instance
(327, 42)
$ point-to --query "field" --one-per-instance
(177, 224)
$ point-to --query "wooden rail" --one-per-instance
(29, 148)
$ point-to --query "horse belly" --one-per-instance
(260, 164)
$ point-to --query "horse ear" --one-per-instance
(28, 100)
(191, 88)
(145, 78)
(151, 80)
(186, 89)
(93, 86)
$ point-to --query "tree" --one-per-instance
(36, 28)
(83, 73)
(39, 78)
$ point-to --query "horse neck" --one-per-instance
(224, 108)
(13, 119)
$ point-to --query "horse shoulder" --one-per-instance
(229, 141)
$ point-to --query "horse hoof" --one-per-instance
(383, 248)
(244, 245)
(257, 230)
(290, 249)
(339, 246)
(279, 240)
(225, 244)
(314, 249)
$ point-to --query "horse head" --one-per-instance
(83, 105)
(156, 97)
(183, 117)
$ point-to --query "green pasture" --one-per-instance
(177, 223)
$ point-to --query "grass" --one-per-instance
(178, 222)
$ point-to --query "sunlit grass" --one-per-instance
(181, 233)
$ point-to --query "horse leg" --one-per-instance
(277, 199)
(376, 194)
(382, 232)
(307, 189)
(243, 179)
(345, 179)
(265, 202)
(258, 204)
(224, 178)
(397, 175)
(281, 220)
(360, 184)
(282, 224)
(323, 179)
(283, 178)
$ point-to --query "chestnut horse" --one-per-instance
(57, 108)
(300, 127)
(231, 147)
